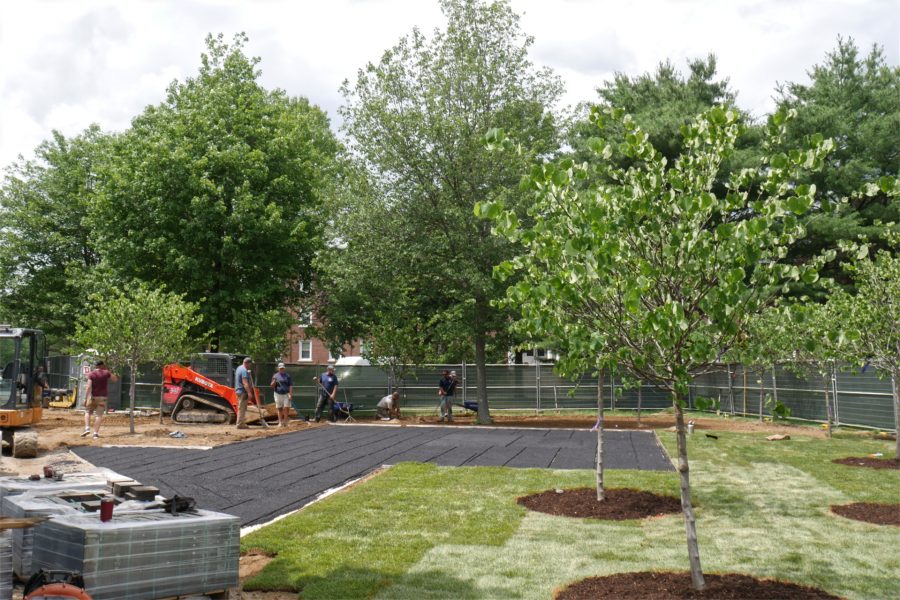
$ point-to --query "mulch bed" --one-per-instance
(666, 586)
(620, 504)
(870, 512)
(869, 461)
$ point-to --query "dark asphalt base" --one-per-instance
(258, 480)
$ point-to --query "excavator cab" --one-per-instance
(21, 352)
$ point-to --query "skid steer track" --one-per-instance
(192, 408)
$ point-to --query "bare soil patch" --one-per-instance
(869, 461)
(253, 561)
(620, 504)
(668, 586)
(650, 421)
(62, 428)
(869, 512)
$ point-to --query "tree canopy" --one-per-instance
(217, 192)
(416, 121)
(855, 100)
(46, 250)
(138, 324)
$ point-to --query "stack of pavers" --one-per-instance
(6, 576)
(144, 552)
(143, 555)
(20, 498)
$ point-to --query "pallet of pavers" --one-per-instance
(93, 480)
(45, 504)
(6, 576)
(17, 500)
(143, 555)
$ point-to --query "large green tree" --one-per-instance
(45, 245)
(651, 271)
(217, 192)
(416, 120)
(854, 100)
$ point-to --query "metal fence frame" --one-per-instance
(860, 399)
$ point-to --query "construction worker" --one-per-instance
(96, 397)
(328, 384)
(388, 407)
(243, 385)
(283, 386)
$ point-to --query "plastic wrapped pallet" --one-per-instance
(39, 504)
(6, 576)
(29, 505)
(143, 555)
(71, 481)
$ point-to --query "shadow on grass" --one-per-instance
(357, 582)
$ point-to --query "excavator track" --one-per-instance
(192, 408)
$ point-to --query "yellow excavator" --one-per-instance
(22, 351)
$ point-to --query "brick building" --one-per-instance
(305, 349)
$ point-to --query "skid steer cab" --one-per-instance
(203, 392)
(22, 351)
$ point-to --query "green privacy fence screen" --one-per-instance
(860, 398)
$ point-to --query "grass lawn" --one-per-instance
(421, 531)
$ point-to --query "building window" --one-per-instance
(305, 351)
(332, 357)
(304, 319)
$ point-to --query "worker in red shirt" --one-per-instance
(95, 400)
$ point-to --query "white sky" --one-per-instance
(65, 64)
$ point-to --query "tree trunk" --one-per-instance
(829, 415)
(600, 491)
(484, 413)
(687, 508)
(640, 394)
(131, 389)
(895, 385)
(731, 387)
(162, 392)
(744, 395)
(762, 375)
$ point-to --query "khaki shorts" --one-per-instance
(96, 403)
(282, 400)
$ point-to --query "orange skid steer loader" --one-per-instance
(204, 391)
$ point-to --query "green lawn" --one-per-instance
(420, 531)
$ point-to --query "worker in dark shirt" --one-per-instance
(446, 389)
(328, 385)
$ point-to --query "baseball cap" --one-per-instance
(247, 359)
(330, 367)
(453, 373)
(280, 365)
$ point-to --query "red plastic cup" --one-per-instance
(106, 508)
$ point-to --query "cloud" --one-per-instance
(68, 64)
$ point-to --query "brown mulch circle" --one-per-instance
(869, 461)
(665, 586)
(620, 504)
(870, 512)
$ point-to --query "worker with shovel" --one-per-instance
(328, 384)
